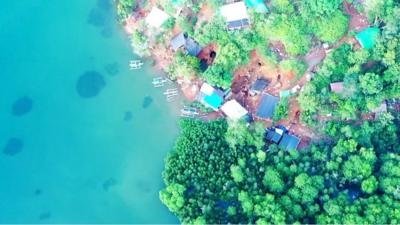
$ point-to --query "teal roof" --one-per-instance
(259, 5)
(214, 100)
(367, 37)
(285, 93)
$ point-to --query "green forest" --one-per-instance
(222, 171)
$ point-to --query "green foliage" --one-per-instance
(369, 185)
(312, 184)
(173, 197)
(236, 174)
(331, 29)
(273, 181)
(224, 172)
(125, 8)
(370, 83)
(294, 65)
(319, 8)
(140, 43)
(292, 31)
(183, 65)
(169, 24)
(282, 110)
(283, 6)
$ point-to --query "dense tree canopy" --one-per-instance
(343, 182)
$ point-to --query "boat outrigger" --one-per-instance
(160, 81)
(135, 64)
(190, 112)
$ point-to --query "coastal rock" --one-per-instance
(13, 147)
(22, 106)
(90, 84)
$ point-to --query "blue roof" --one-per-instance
(267, 106)
(289, 142)
(237, 24)
(183, 40)
(192, 47)
(214, 100)
(178, 41)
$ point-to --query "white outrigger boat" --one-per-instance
(190, 112)
(159, 81)
(135, 64)
(171, 91)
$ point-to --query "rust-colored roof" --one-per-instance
(337, 87)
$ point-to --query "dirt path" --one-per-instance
(358, 21)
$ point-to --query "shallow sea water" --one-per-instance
(82, 138)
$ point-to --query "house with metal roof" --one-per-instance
(236, 15)
(274, 135)
(367, 37)
(289, 142)
(258, 86)
(266, 108)
(210, 96)
(156, 17)
(190, 46)
(233, 110)
(337, 87)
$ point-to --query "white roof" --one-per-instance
(207, 89)
(156, 17)
(233, 110)
(234, 11)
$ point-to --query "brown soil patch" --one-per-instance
(279, 49)
(205, 14)
(358, 21)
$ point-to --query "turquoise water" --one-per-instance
(77, 153)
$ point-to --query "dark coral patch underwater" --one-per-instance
(22, 106)
(147, 101)
(13, 146)
(90, 84)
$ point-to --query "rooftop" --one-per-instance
(210, 97)
(337, 87)
(178, 41)
(258, 5)
(259, 85)
(233, 110)
(182, 40)
(156, 17)
(234, 12)
(289, 142)
(267, 106)
(367, 37)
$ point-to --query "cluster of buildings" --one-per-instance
(216, 99)
(237, 17)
